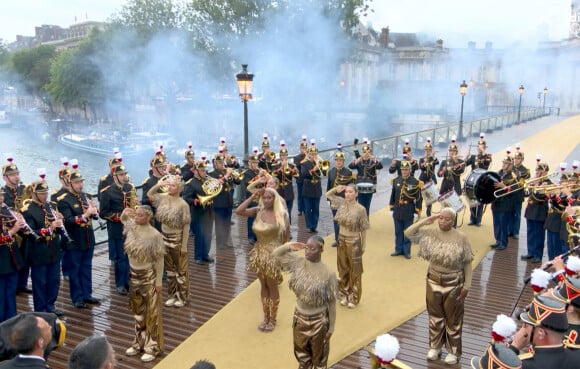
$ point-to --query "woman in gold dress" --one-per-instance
(272, 229)
(144, 247)
(174, 216)
(353, 224)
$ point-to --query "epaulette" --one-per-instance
(105, 188)
(421, 184)
(526, 355)
(25, 205)
(189, 180)
(392, 181)
(103, 178)
(144, 181)
(61, 197)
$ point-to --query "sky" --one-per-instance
(455, 21)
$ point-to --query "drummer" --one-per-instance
(451, 170)
(481, 161)
(427, 166)
(367, 167)
(408, 156)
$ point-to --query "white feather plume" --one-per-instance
(573, 263)
(504, 326)
(387, 347)
(540, 278)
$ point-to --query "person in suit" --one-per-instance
(405, 204)
(29, 338)
(93, 352)
(77, 212)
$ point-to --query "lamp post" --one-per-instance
(544, 104)
(245, 80)
(521, 91)
(462, 91)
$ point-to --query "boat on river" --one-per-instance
(106, 144)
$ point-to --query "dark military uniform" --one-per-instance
(366, 172)
(80, 251)
(336, 178)
(451, 171)
(553, 224)
(114, 199)
(285, 188)
(536, 213)
(13, 199)
(396, 168)
(201, 218)
(311, 193)
(298, 161)
(502, 211)
(104, 181)
(10, 262)
(479, 161)
(405, 202)
(186, 173)
(43, 255)
(223, 205)
(249, 177)
(427, 167)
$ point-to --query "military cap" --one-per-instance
(428, 144)
(10, 168)
(157, 161)
(63, 172)
(189, 153)
(496, 356)
(519, 155)
(120, 169)
(312, 149)
(508, 159)
(405, 164)
(366, 148)
(219, 157)
(265, 142)
(407, 148)
(543, 167)
(453, 147)
(39, 187)
(568, 292)
(283, 148)
(200, 164)
(304, 142)
(339, 155)
(75, 177)
(546, 312)
(253, 158)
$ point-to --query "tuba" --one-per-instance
(212, 187)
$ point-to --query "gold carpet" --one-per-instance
(393, 289)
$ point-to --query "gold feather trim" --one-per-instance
(352, 216)
(315, 285)
(450, 249)
(172, 211)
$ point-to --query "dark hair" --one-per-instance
(92, 353)
(25, 334)
(319, 240)
(203, 364)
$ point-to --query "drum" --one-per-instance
(365, 187)
(451, 200)
(479, 186)
(429, 193)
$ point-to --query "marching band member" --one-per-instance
(10, 259)
(107, 179)
(451, 170)
(427, 166)
(194, 192)
(536, 213)
(502, 207)
(408, 156)
(267, 157)
(339, 175)
(250, 176)
(481, 161)
(114, 199)
(13, 197)
(187, 168)
(223, 203)
(285, 172)
(77, 210)
(158, 169)
(312, 172)
(43, 253)
(367, 167)
(63, 175)
(298, 160)
(230, 161)
(555, 220)
(405, 205)
(175, 218)
(523, 174)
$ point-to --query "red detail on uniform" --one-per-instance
(116, 219)
(5, 239)
(572, 337)
(78, 220)
(508, 189)
(561, 277)
(496, 337)
(570, 201)
(570, 219)
(537, 288)
(558, 199)
(384, 362)
(45, 232)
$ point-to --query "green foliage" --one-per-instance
(33, 68)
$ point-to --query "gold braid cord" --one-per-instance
(144, 244)
(450, 249)
(315, 285)
(172, 211)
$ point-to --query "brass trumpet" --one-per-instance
(520, 185)
(271, 156)
(239, 175)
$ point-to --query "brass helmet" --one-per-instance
(10, 167)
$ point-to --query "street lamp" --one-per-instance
(245, 80)
(521, 91)
(462, 91)
(544, 104)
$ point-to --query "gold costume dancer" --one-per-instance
(353, 223)
(144, 247)
(272, 228)
(448, 280)
(174, 216)
(315, 286)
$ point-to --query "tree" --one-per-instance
(33, 68)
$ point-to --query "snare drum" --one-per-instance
(365, 187)
(451, 200)
(429, 193)
(479, 186)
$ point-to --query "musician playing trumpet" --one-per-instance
(367, 167)
(285, 172)
(43, 253)
(339, 175)
(267, 158)
(502, 207)
(223, 203)
(427, 165)
(311, 173)
(77, 214)
(536, 213)
(10, 259)
(480, 161)
(451, 170)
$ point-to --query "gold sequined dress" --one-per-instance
(269, 236)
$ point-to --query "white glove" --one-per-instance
(415, 216)
(392, 212)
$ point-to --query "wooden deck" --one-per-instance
(497, 286)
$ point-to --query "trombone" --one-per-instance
(520, 185)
